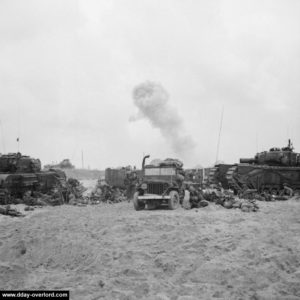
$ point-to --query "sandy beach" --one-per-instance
(113, 252)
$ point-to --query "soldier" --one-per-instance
(28, 198)
(186, 204)
(201, 194)
(196, 197)
(130, 182)
(220, 187)
(180, 177)
(193, 196)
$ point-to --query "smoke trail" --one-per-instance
(152, 101)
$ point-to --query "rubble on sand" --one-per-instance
(246, 205)
(103, 192)
(246, 200)
(216, 194)
(8, 211)
(265, 195)
(72, 192)
(75, 191)
(59, 194)
(28, 208)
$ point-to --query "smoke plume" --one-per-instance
(152, 101)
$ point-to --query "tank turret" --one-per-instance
(18, 163)
(275, 157)
(21, 173)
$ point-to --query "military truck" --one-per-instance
(160, 185)
(115, 177)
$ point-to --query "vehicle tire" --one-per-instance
(136, 204)
(174, 200)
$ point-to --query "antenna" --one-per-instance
(82, 164)
(18, 137)
(3, 142)
(219, 138)
(256, 141)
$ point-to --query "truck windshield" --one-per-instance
(160, 172)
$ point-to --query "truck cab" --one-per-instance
(161, 185)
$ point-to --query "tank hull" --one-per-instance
(263, 177)
(217, 174)
(17, 184)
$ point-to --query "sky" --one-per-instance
(69, 71)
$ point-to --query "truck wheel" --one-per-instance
(174, 200)
(137, 205)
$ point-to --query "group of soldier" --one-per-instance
(195, 196)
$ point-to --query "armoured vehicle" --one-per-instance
(266, 171)
(121, 177)
(161, 184)
(20, 173)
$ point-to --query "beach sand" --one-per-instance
(113, 252)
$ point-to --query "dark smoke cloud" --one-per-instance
(152, 101)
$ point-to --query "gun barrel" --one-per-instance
(247, 160)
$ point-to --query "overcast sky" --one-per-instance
(68, 70)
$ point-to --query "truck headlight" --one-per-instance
(144, 186)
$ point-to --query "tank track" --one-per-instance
(232, 181)
(236, 183)
(3, 196)
(212, 175)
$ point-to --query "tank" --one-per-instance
(20, 173)
(266, 171)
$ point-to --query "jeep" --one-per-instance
(161, 185)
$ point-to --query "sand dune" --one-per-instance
(113, 252)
